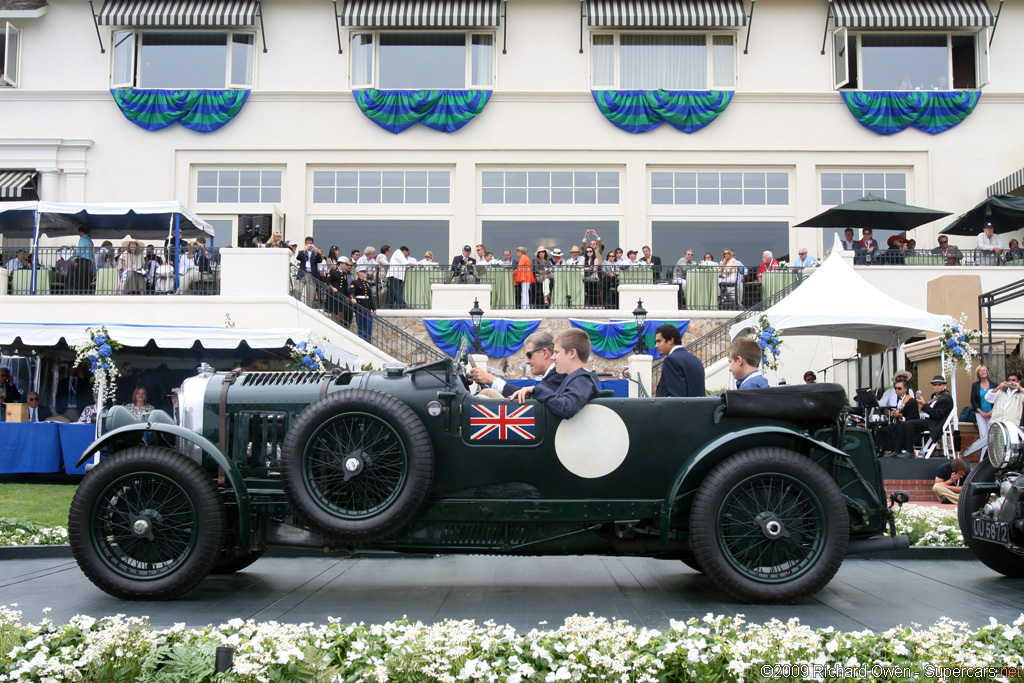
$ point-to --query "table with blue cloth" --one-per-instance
(702, 288)
(620, 387)
(500, 280)
(74, 439)
(568, 282)
(417, 292)
(29, 447)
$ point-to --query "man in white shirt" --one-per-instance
(889, 398)
(18, 262)
(396, 277)
(990, 246)
(804, 260)
(1007, 400)
(575, 257)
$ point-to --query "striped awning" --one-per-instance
(1008, 185)
(13, 183)
(666, 13)
(421, 13)
(178, 13)
(912, 13)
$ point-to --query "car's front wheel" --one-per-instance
(767, 525)
(1007, 560)
(147, 524)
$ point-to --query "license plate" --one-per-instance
(988, 530)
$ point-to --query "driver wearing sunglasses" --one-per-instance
(540, 347)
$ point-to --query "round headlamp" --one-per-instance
(1003, 440)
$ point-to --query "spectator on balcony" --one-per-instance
(575, 256)
(464, 265)
(596, 243)
(951, 254)
(342, 305)
(611, 279)
(1014, 252)
(651, 260)
(592, 276)
(849, 244)
(868, 247)
(491, 260)
(729, 279)
(990, 247)
(631, 259)
(896, 251)
(276, 241)
(557, 258)
(768, 262)
(911, 246)
(543, 276)
(396, 277)
(481, 260)
(354, 255)
(803, 260)
(708, 260)
(19, 261)
(332, 257)
(309, 260)
(506, 257)
(369, 257)
(132, 269)
(428, 259)
(522, 277)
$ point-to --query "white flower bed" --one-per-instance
(929, 526)
(19, 532)
(715, 648)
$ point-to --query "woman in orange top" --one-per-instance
(523, 277)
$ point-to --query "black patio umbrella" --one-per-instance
(1004, 211)
(875, 213)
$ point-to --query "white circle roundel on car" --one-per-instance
(593, 443)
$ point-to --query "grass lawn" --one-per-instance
(40, 503)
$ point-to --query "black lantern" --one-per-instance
(477, 316)
(640, 316)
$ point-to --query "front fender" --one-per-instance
(687, 473)
(234, 477)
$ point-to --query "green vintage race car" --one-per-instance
(764, 491)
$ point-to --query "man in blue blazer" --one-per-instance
(682, 373)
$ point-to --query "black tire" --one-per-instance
(767, 525)
(231, 562)
(1006, 561)
(147, 524)
(388, 449)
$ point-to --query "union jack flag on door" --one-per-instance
(502, 422)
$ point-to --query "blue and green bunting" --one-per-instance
(888, 112)
(617, 338)
(203, 111)
(443, 110)
(638, 111)
(500, 337)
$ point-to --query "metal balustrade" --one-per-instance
(385, 335)
(117, 271)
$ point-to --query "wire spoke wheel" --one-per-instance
(144, 525)
(355, 465)
(771, 527)
(768, 525)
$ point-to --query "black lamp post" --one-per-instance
(640, 316)
(477, 316)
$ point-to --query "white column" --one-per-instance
(49, 187)
(74, 185)
(640, 369)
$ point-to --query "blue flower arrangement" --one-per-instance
(770, 341)
(306, 355)
(958, 345)
(98, 349)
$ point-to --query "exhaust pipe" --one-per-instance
(878, 544)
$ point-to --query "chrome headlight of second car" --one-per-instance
(1004, 440)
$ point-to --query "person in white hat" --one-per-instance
(575, 256)
(362, 293)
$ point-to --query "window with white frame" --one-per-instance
(671, 61)
(248, 186)
(10, 53)
(416, 60)
(377, 186)
(891, 60)
(550, 187)
(176, 59)
(839, 187)
(725, 188)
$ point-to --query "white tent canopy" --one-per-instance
(174, 337)
(837, 302)
(141, 220)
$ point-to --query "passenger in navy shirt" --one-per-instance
(572, 351)
(744, 358)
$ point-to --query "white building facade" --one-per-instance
(538, 162)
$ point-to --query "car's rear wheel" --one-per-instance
(1008, 561)
(767, 525)
(147, 524)
(357, 465)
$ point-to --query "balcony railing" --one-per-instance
(114, 270)
(938, 257)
